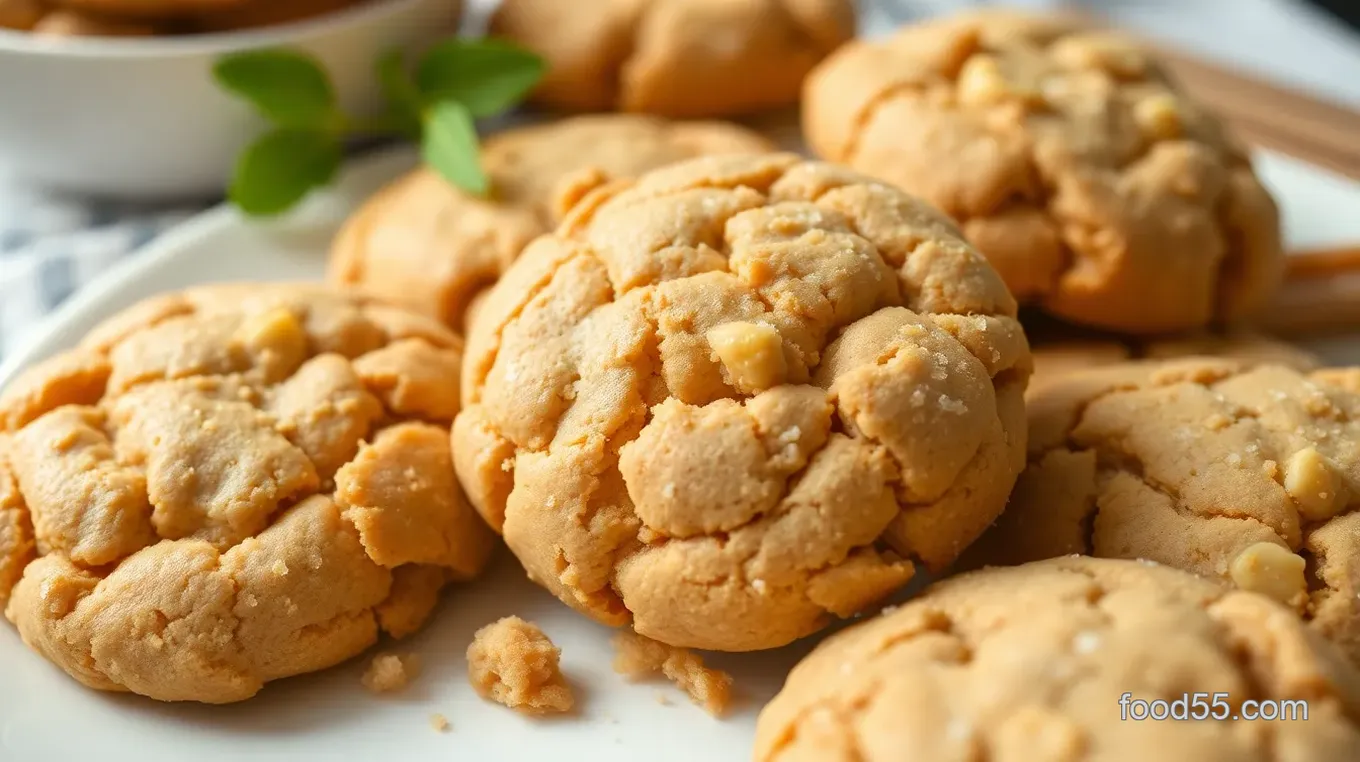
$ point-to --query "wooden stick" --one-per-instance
(1322, 263)
(1320, 295)
(1272, 116)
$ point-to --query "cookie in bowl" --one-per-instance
(678, 58)
(1103, 193)
(740, 397)
(432, 247)
(232, 485)
(1241, 472)
(1063, 660)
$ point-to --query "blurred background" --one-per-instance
(51, 243)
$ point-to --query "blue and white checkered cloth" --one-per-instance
(51, 245)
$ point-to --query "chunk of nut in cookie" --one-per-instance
(1314, 483)
(981, 82)
(752, 353)
(277, 338)
(1270, 570)
(1158, 117)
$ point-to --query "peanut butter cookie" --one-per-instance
(1251, 474)
(1101, 192)
(231, 485)
(739, 396)
(684, 58)
(432, 247)
(1033, 664)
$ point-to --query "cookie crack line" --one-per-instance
(260, 390)
(849, 153)
(613, 548)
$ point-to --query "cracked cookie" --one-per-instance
(1249, 474)
(684, 58)
(1029, 664)
(740, 396)
(432, 247)
(1102, 193)
(231, 485)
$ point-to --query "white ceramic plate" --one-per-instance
(47, 717)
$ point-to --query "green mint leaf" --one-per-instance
(486, 76)
(450, 146)
(288, 87)
(278, 170)
(403, 99)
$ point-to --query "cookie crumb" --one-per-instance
(280, 569)
(662, 699)
(637, 657)
(513, 663)
(389, 673)
(439, 723)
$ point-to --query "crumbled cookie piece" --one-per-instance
(424, 244)
(637, 658)
(675, 57)
(439, 723)
(389, 673)
(742, 396)
(1231, 470)
(1034, 662)
(1101, 191)
(205, 496)
(512, 662)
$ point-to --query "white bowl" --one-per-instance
(143, 118)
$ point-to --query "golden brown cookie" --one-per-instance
(1030, 664)
(1057, 359)
(230, 485)
(1101, 192)
(740, 396)
(1251, 474)
(681, 58)
(428, 245)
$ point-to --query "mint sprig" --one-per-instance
(452, 85)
